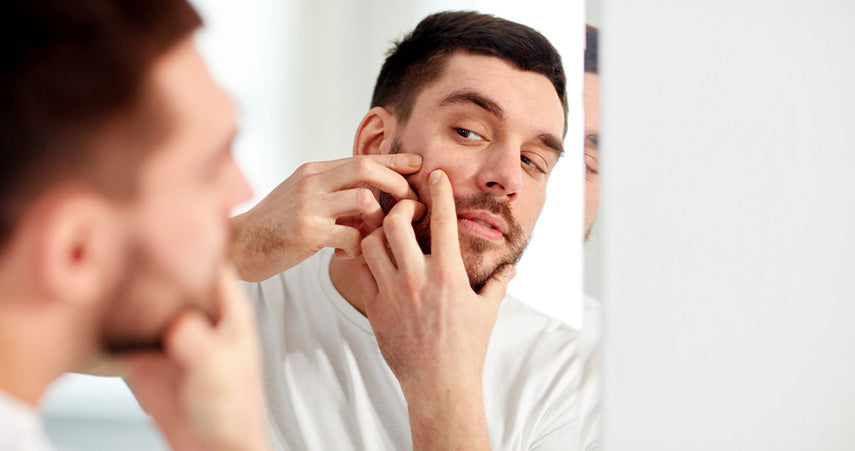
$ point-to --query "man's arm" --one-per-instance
(325, 204)
(432, 328)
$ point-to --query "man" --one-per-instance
(401, 339)
(591, 334)
(592, 128)
(117, 182)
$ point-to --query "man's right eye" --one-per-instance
(467, 134)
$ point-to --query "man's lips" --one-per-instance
(491, 226)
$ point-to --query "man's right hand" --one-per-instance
(324, 204)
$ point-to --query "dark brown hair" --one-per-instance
(419, 58)
(67, 70)
(592, 48)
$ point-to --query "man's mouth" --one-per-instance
(483, 225)
(478, 221)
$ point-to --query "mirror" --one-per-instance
(302, 75)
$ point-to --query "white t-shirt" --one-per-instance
(328, 387)
(20, 426)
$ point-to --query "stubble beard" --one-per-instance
(140, 272)
(473, 249)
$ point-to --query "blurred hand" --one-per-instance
(432, 328)
(204, 391)
(326, 204)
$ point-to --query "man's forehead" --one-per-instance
(490, 78)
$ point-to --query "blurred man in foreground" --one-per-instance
(117, 183)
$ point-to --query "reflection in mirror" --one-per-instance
(297, 113)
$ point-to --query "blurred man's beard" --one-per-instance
(145, 302)
(471, 248)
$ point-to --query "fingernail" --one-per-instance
(414, 161)
(435, 176)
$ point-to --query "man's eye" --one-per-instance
(468, 134)
(528, 162)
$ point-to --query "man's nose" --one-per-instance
(501, 173)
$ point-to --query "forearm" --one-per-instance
(243, 250)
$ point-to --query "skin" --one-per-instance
(490, 155)
(86, 273)
(592, 149)
(209, 394)
(323, 204)
(432, 326)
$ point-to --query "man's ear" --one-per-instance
(78, 247)
(375, 133)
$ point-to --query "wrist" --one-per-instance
(448, 419)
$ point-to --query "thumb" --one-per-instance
(496, 287)
(188, 339)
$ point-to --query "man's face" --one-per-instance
(496, 131)
(187, 189)
(592, 149)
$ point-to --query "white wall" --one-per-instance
(728, 208)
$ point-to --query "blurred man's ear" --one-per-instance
(375, 133)
(76, 245)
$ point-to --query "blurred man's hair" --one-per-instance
(69, 72)
(420, 57)
(591, 49)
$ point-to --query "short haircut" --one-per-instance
(419, 58)
(70, 70)
(591, 49)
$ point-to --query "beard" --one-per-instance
(144, 303)
(473, 249)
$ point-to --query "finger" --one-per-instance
(346, 241)
(443, 217)
(354, 202)
(398, 228)
(368, 285)
(374, 170)
(378, 259)
(189, 339)
(236, 313)
(497, 286)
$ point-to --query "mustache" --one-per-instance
(489, 203)
(481, 201)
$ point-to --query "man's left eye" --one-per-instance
(529, 162)
(468, 134)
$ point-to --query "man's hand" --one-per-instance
(432, 328)
(204, 392)
(326, 204)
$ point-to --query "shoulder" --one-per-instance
(531, 328)
(306, 276)
(535, 345)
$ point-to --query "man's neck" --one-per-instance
(37, 345)
(344, 274)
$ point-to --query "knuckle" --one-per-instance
(307, 169)
(305, 185)
(364, 166)
(394, 221)
(364, 198)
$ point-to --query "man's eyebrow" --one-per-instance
(552, 142)
(593, 139)
(469, 96)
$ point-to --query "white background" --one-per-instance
(302, 73)
(728, 213)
